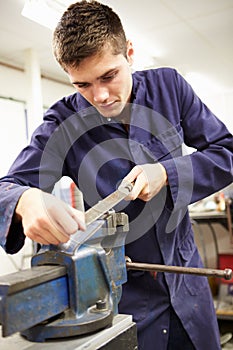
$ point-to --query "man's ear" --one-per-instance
(130, 52)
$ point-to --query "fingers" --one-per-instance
(46, 219)
(42, 232)
(64, 220)
(135, 178)
(79, 217)
(141, 184)
(50, 230)
(133, 174)
(148, 180)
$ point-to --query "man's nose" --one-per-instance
(100, 93)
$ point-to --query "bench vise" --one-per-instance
(71, 289)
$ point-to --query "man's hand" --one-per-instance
(46, 219)
(148, 180)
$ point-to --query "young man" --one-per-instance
(124, 126)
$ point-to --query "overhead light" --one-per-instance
(45, 12)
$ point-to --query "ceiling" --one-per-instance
(194, 36)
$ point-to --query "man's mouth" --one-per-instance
(110, 109)
(107, 105)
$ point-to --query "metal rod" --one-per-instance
(226, 274)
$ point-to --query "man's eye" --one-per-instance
(82, 85)
(109, 77)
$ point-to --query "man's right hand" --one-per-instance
(46, 219)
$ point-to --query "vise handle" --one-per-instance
(226, 274)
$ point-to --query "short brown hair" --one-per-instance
(84, 29)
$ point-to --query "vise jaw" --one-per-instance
(71, 289)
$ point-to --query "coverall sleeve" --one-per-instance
(210, 167)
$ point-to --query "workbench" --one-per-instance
(121, 335)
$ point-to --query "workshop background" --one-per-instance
(193, 36)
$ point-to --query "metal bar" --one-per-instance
(226, 274)
(108, 203)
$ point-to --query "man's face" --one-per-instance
(105, 81)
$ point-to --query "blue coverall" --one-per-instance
(97, 152)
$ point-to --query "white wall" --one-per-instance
(219, 100)
(14, 124)
(221, 103)
(52, 91)
(13, 90)
(13, 84)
